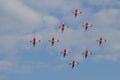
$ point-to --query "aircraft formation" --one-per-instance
(65, 51)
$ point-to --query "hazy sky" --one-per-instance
(21, 20)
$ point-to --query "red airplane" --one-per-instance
(53, 40)
(86, 53)
(73, 63)
(100, 41)
(63, 27)
(76, 12)
(34, 41)
(86, 25)
(65, 52)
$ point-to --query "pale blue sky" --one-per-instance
(20, 20)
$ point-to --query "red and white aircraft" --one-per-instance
(53, 40)
(63, 27)
(76, 12)
(100, 41)
(86, 53)
(73, 63)
(65, 52)
(86, 25)
(34, 41)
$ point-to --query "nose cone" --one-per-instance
(100, 37)
(34, 38)
(86, 21)
(76, 8)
